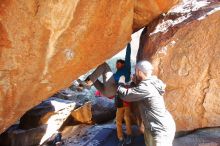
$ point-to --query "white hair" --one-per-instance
(145, 66)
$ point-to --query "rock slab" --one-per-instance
(184, 48)
(45, 45)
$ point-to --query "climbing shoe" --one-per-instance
(128, 139)
(121, 143)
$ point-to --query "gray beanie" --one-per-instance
(144, 66)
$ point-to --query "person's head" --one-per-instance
(120, 64)
(143, 70)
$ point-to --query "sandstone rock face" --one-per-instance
(52, 112)
(48, 112)
(201, 137)
(147, 10)
(184, 48)
(42, 123)
(103, 110)
(44, 45)
(18, 137)
(83, 114)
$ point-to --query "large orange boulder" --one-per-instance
(44, 45)
(147, 10)
(184, 48)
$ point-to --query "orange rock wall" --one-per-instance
(147, 10)
(46, 44)
(185, 51)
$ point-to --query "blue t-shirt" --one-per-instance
(126, 70)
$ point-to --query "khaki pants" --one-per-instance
(123, 113)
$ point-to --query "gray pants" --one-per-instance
(108, 86)
(162, 139)
(166, 140)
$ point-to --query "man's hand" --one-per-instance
(134, 79)
(121, 80)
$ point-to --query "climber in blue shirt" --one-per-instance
(108, 88)
(110, 79)
(124, 66)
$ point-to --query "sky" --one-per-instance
(121, 55)
(134, 46)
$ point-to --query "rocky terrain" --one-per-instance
(184, 47)
(45, 45)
